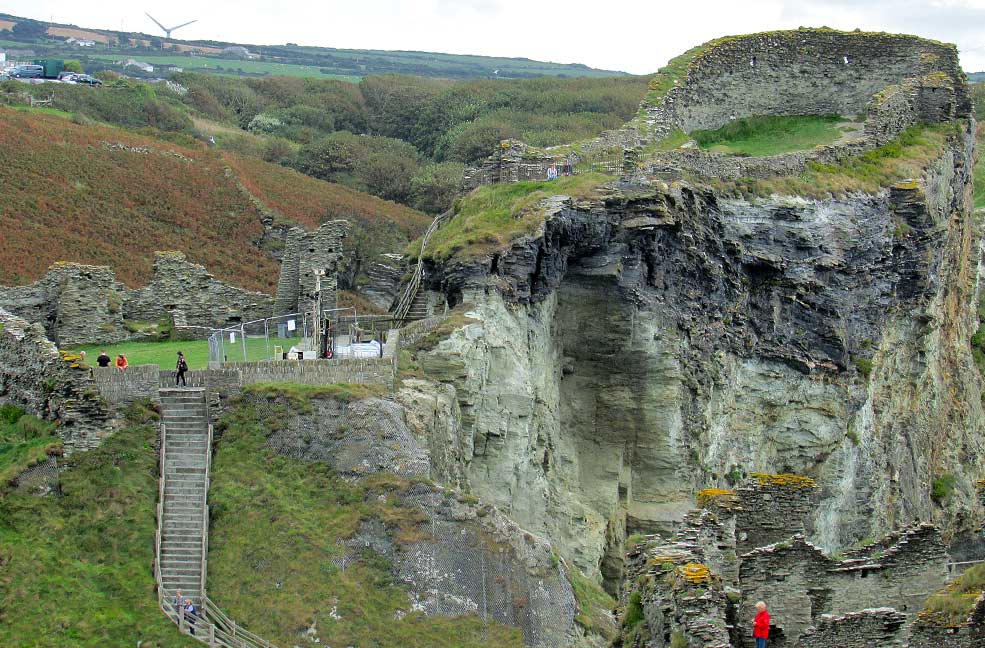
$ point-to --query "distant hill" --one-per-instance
(292, 60)
(102, 195)
(976, 77)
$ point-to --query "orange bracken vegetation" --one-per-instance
(310, 201)
(105, 196)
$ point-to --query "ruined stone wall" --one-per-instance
(514, 161)
(77, 304)
(799, 583)
(305, 252)
(35, 376)
(882, 627)
(142, 381)
(773, 508)
(188, 295)
(804, 72)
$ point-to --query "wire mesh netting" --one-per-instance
(464, 558)
(41, 478)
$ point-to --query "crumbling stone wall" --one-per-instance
(304, 252)
(35, 376)
(882, 627)
(925, 633)
(512, 162)
(188, 295)
(803, 72)
(75, 303)
(799, 583)
(773, 508)
(82, 304)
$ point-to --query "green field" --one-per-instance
(758, 136)
(232, 67)
(165, 354)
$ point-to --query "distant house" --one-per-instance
(175, 68)
(3, 56)
(240, 52)
(140, 65)
(80, 42)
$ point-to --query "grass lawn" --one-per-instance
(904, 158)
(235, 67)
(757, 136)
(165, 354)
(77, 568)
(491, 217)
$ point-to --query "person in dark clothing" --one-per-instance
(191, 614)
(180, 368)
(103, 360)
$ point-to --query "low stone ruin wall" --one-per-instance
(82, 304)
(883, 627)
(142, 382)
(35, 376)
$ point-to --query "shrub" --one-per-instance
(942, 487)
(10, 413)
(634, 610)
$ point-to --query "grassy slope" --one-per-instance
(491, 217)
(275, 523)
(951, 606)
(377, 225)
(770, 135)
(905, 157)
(67, 197)
(77, 568)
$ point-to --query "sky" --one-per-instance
(631, 35)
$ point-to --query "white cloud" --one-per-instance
(633, 35)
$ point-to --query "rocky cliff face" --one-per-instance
(664, 339)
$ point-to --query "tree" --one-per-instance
(29, 30)
(73, 65)
(434, 187)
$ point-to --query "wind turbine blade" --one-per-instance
(185, 25)
(155, 21)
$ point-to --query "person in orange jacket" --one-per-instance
(121, 362)
(761, 625)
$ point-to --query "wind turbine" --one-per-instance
(166, 30)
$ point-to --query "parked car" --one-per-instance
(27, 72)
(86, 80)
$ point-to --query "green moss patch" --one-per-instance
(24, 441)
(594, 606)
(76, 569)
(275, 528)
(952, 606)
(771, 135)
(904, 158)
(491, 217)
(300, 395)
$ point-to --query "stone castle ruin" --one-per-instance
(666, 336)
(82, 304)
(887, 81)
(304, 252)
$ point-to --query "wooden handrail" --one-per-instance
(403, 307)
(212, 626)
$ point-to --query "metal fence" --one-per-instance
(347, 335)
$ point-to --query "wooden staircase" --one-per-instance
(182, 542)
(185, 452)
(413, 304)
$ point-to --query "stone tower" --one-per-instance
(303, 253)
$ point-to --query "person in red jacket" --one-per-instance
(761, 625)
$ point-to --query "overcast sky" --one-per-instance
(632, 35)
